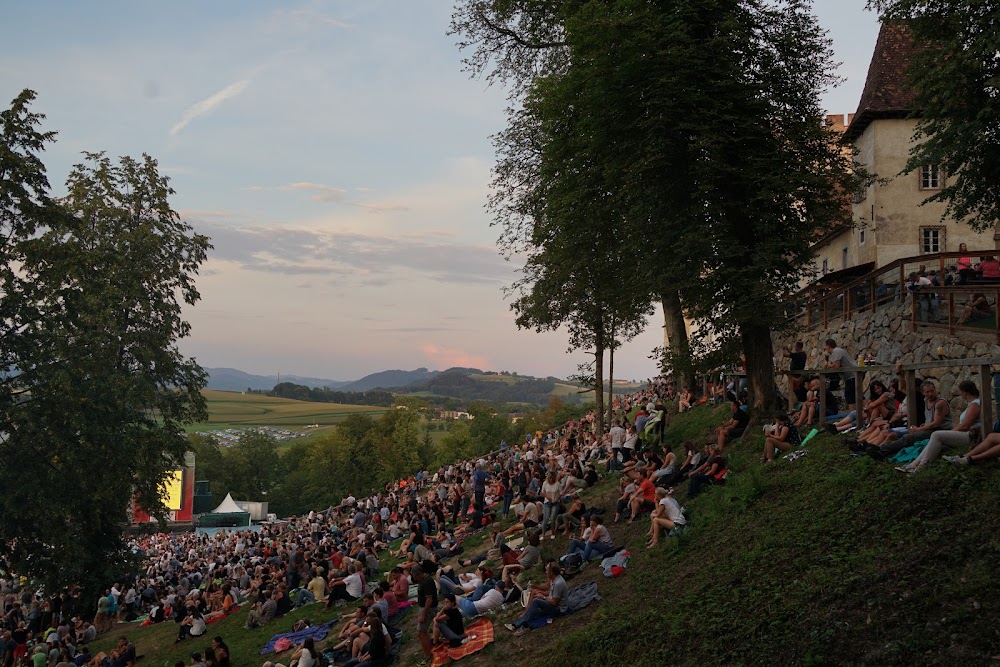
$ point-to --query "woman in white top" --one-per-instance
(667, 515)
(551, 494)
(971, 418)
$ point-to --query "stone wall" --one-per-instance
(887, 335)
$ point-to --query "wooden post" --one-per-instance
(996, 311)
(986, 398)
(847, 302)
(912, 398)
(951, 313)
(826, 320)
(941, 270)
(809, 313)
(822, 398)
(871, 283)
(859, 379)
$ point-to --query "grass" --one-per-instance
(823, 560)
(231, 409)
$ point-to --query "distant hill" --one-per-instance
(231, 379)
(389, 379)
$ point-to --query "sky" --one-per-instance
(339, 159)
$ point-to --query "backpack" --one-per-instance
(570, 563)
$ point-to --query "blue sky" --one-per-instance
(338, 157)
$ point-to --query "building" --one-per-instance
(890, 219)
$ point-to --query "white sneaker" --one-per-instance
(951, 459)
(963, 461)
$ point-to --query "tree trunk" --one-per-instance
(611, 377)
(756, 340)
(599, 386)
(676, 341)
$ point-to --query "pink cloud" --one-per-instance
(443, 357)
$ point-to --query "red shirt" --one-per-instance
(648, 490)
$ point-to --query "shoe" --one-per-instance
(520, 631)
(951, 459)
(510, 626)
(963, 460)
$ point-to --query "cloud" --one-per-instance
(321, 192)
(443, 357)
(356, 258)
(311, 18)
(378, 208)
(209, 104)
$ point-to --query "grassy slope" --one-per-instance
(824, 560)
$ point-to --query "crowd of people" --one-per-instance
(333, 556)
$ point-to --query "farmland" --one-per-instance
(230, 409)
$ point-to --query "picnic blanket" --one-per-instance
(482, 629)
(908, 454)
(578, 598)
(317, 632)
(219, 615)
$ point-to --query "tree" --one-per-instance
(699, 122)
(255, 466)
(96, 392)
(954, 74)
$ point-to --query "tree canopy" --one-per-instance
(95, 392)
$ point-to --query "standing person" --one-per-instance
(617, 434)
(427, 602)
(964, 265)
(551, 495)
(837, 357)
(479, 479)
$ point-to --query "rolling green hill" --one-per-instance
(231, 409)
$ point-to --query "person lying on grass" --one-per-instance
(483, 600)
(667, 515)
(784, 437)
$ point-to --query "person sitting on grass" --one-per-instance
(572, 516)
(807, 410)
(527, 518)
(192, 626)
(684, 400)
(349, 588)
(735, 427)
(881, 404)
(263, 612)
(989, 448)
(667, 515)
(375, 652)
(712, 471)
(545, 599)
(644, 497)
(937, 417)
(970, 420)
(354, 626)
(594, 542)
(784, 437)
(529, 555)
(448, 624)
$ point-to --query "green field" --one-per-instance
(232, 409)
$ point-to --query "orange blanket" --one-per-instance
(482, 629)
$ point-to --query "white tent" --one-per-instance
(228, 506)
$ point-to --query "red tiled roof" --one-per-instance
(887, 93)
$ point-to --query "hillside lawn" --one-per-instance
(233, 409)
(822, 560)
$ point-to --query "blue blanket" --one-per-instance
(577, 599)
(317, 632)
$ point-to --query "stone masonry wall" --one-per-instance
(887, 335)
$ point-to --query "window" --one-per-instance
(826, 266)
(861, 236)
(843, 258)
(932, 240)
(931, 177)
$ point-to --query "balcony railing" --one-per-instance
(947, 308)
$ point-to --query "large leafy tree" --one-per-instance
(700, 123)
(956, 77)
(95, 392)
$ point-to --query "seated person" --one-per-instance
(545, 599)
(467, 582)
(644, 497)
(684, 400)
(977, 308)
(572, 515)
(527, 519)
(736, 426)
(712, 471)
(784, 437)
(349, 588)
(937, 417)
(666, 468)
(970, 419)
(667, 515)
(448, 624)
(594, 542)
(528, 556)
